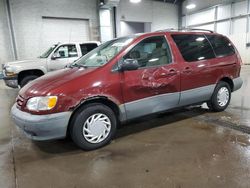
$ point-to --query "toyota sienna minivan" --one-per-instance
(127, 78)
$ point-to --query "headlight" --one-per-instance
(41, 103)
(10, 71)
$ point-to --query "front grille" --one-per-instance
(20, 101)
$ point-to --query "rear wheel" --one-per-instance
(27, 79)
(220, 98)
(93, 126)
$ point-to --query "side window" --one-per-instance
(66, 51)
(85, 48)
(194, 47)
(221, 45)
(151, 51)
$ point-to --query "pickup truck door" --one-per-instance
(155, 85)
(63, 55)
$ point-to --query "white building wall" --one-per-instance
(235, 29)
(198, 18)
(224, 11)
(165, 15)
(161, 15)
(106, 24)
(5, 42)
(27, 20)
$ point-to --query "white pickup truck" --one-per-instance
(19, 73)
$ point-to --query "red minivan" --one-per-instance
(127, 78)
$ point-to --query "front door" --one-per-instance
(63, 55)
(155, 86)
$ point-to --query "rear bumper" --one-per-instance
(237, 83)
(41, 127)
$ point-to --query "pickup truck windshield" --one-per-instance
(104, 53)
(48, 52)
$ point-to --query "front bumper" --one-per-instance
(11, 82)
(41, 127)
(237, 83)
(1, 75)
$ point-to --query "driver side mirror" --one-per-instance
(53, 57)
(128, 65)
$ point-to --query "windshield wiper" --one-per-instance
(82, 66)
(77, 65)
(72, 65)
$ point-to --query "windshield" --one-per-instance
(48, 52)
(104, 53)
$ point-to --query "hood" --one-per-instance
(53, 80)
(22, 62)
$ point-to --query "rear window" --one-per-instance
(221, 45)
(194, 47)
(87, 47)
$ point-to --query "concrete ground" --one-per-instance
(186, 148)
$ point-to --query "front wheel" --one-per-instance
(27, 79)
(220, 98)
(93, 126)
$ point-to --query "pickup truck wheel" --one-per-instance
(93, 126)
(27, 79)
(220, 98)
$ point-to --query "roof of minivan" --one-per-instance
(173, 31)
(136, 35)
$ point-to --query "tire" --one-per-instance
(82, 130)
(216, 103)
(27, 79)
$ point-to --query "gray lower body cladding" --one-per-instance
(41, 127)
(165, 102)
(169, 101)
(238, 82)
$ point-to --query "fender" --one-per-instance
(113, 104)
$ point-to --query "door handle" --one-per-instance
(187, 70)
(171, 72)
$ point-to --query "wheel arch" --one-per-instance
(97, 99)
(24, 73)
(229, 81)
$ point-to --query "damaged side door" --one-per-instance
(155, 85)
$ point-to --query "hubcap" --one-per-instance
(96, 128)
(223, 96)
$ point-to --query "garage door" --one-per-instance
(56, 30)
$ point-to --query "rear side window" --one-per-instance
(221, 45)
(87, 47)
(66, 51)
(194, 47)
